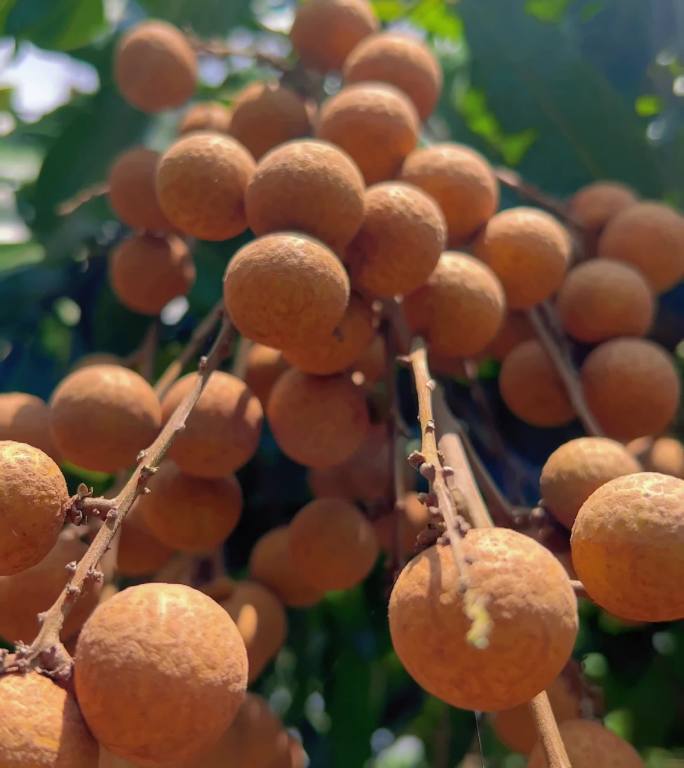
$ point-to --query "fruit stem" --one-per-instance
(239, 366)
(513, 180)
(552, 744)
(216, 47)
(67, 207)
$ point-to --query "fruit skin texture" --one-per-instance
(41, 727)
(627, 544)
(265, 365)
(401, 61)
(601, 299)
(317, 421)
(25, 418)
(375, 124)
(460, 308)
(140, 552)
(132, 190)
(201, 183)
(414, 519)
(120, 409)
(514, 329)
(631, 386)
(170, 696)
(155, 67)
(664, 455)
(529, 251)
(650, 237)
(309, 186)
(206, 116)
(577, 468)
(334, 544)
(325, 31)
(399, 243)
(284, 288)
(594, 205)
(33, 498)
(532, 389)
(530, 603)
(146, 272)
(589, 744)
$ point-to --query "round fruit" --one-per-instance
(627, 544)
(650, 237)
(375, 123)
(146, 272)
(132, 190)
(256, 736)
(576, 469)
(665, 455)
(514, 330)
(102, 416)
(528, 599)
(25, 418)
(201, 183)
(139, 553)
(529, 251)
(325, 31)
(399, 243)
(631, 386)
(282, 289)
(271, 564)
(295, 756)
(308, 186)
(206, 116)
(155, 67)
(317, 421)
(170, 696)
(264, 367)
(532, 389)
(97, 358)
(413, 520)
(461, 307)
(594, 205)
(222, 432)
(372, 364)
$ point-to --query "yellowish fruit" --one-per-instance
(132, 190)
(264, 367)
(25, 418)
(594, 205)
(206, 116)
(412, 521)
(139, 552)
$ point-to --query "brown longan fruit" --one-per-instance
(201, 183)
(155, 67)
(631, 387)
(664, 455)
(602, 299)
(317, 421)
(25, 418)
(413, 519)
(132, 190)
(325, 31)
(595, 204)
(399, 243)
(294, 757)
(263, 368)
(308, 186)
(98, 358)
(532, 389)
(514, 329)
(170, 696)
(102, 416)
(375, 124)
(529, 250)
(139, 552)
(146, 272)
(372, 364)
(206, 116)
(222, 432)
(650, 237)
(627, 544)
(33, 499)
(282, 289)
(576, 469)
(529, 601)
(461, 307)
(40, 725)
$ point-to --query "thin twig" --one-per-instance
(99, 189)
(552, 744)
(143, 358)
(239, 366)
(513, 180)
(216, 47)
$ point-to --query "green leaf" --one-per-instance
(648, 105)
(547, 10)
(56, 24)
(15, 255)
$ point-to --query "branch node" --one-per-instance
(71, 567)
(416, 459)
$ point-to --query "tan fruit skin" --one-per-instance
(627, 544)
(33, 497)
(171, 696)
(373, 362)
(132, 191)
(139, 553)
(529, 601)
(265, 365)
(667, 456)
(206, 116)
(25, 418)
(514, 329)
(414, 519)
(594, 205)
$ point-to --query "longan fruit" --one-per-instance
(460, 308)
(25, 418)
(98, 358)
(255, 737)
(146, 272)
(514, 329)
(529, 250)
(271, 564)
(264, 367)
(308, 186)
(206, 116)
(325, 31)
(372, 364)
(664, 455)
(222, 432)
(399, 243)
(631, 387)
(317, 421)
(602, 299)
(595, 204)
(281, 289)
(589, 744)
(140, 552)
(627, 544)
(170, 696)
(461, 181)
(529, 601)
(650, 237)
(40, 725)
(375, 124)
(577, 468)
(413, 520)
(294, 756)
(102, 416)
(155, 67)
(132, 191)
(201, 183)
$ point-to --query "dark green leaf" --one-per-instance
(57, 24)
(208, 17)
